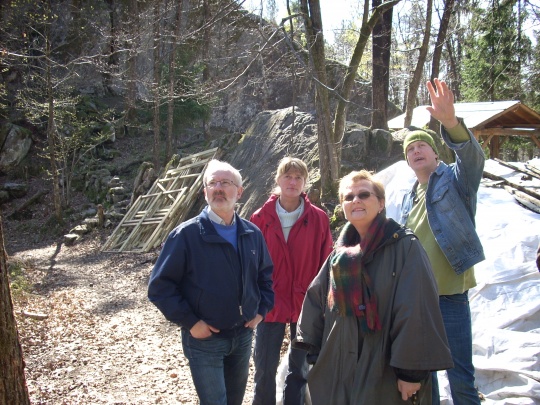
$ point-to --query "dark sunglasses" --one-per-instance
(364, 195)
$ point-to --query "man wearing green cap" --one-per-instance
(440, 209)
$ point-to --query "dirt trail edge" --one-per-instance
(102, 342)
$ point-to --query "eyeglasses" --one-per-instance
(364, 195)
(224, 183)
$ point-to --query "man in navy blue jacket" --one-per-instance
(214, 279)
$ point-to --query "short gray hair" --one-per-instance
(216, 165)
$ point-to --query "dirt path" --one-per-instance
(102, 342)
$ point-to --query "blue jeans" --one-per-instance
(456, 315)
(268, 340)
(219, 365)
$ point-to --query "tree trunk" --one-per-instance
(348, 83)
(156, 86)
(328, 162)
(382, 42)
(51, 131)
(112, 59)
(13, 388)
(132, 45)
(417, 75)
(172, 77)
(293, 73)
(454, 71)
(330, 139)
(206, 38)
(441, 39)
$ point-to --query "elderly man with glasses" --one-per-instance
(213, 278)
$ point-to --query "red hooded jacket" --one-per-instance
(297, 261)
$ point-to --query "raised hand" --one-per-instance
(442, 103)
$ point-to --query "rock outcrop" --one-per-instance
(15, 142)
(275, 134)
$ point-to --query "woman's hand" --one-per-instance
(407, 389)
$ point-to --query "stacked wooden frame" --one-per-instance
(154, 215)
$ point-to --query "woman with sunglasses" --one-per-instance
(370, 320)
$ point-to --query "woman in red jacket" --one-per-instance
(299, 241)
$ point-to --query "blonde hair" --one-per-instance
(288, 164)
(356, 176)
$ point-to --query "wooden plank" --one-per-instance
(184, 176)
(526, 200)
(175, 171)
(512, 184)
(154, 215)
(492, 183)
(514, 167)
(137, 227)
(183, 204)
(534, 165)
(160, 229)
(508, 173)
(109, 243)
(510, 132)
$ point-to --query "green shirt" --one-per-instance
(458, 134)
(448, 281)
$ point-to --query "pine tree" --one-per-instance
(494, 54)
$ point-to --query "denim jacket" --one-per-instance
(451, 198)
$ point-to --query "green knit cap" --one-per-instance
(418, 135)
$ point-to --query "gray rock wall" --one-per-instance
(247, 72)
(278, 133)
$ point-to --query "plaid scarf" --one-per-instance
(350, 287)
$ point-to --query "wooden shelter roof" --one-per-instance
(488, 121)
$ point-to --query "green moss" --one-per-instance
(337, 220)
(18, 282)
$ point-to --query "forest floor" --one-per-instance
(100, 340)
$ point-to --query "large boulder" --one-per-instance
(15, 142)
(271, 136)
(278, 133)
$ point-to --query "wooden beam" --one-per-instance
(512, 184)
(518, 169)
(489, 138)
(526, 200)
(508, 132)
(494, 147)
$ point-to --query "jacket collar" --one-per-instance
(207, 229)
(269, 207)
(439, 171)
(392, 233)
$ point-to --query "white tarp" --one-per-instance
(505, 305)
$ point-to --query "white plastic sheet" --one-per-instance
(505, 305)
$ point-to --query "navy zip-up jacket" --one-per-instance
(196, 275)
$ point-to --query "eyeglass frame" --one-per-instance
(363, 195)
(212, 186)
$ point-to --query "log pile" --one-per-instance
(522, 180)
